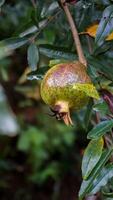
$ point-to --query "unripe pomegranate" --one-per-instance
(67, 86)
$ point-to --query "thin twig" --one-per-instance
(97, 117)
(33, 3)
(75, 34)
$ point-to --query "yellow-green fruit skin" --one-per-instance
(57, 85)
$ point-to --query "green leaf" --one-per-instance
(87, 185)
(33, 56)
(100, 129)
(108, 194)
(105, 25)
(2, 2)
(38, 74)
(93, 73)
(83, 10)
(49, 10)
(88, 88)
(56, 62)
(49, 35)
(56, 52)
(92, 155)
(101, 64)
(102, 108)
(7, 46)
(102, 179)
(32, 29)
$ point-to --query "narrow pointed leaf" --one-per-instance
(102, 179)
(49, 10)
(8, 45)
(56, 62)
(100, 129)
(88, 89)
(92, 155)
(56, 52)
(87, 185)
(101, 65)
(102, 108)
(33, 56)
(105, 25)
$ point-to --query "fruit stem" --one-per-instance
(75, 34)
(62, 109)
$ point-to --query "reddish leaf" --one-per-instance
(108, 97)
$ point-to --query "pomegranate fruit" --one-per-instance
(67, 86)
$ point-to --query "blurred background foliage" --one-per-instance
(40, 158)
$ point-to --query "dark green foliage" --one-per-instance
(100, 129)
(38, 154)
(91, 157)
(87, 185)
